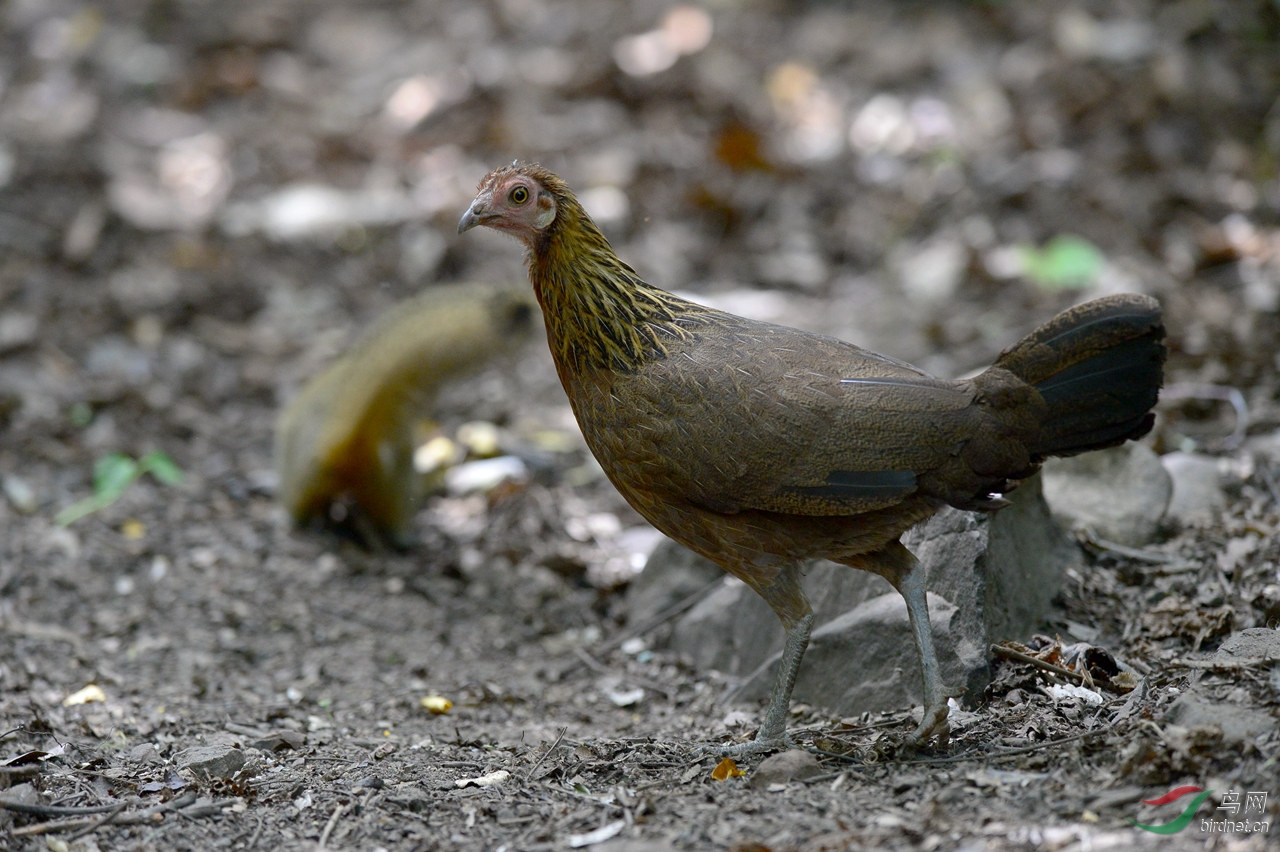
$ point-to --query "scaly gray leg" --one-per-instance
(910, 584)
(773, 732)
(772, 735)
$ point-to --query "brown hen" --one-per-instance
(760, 446)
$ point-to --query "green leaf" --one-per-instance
(1065, 263)
(113, 473)
(80, 508)
(161, 467)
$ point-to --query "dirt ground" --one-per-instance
(200, 204)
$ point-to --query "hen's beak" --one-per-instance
(477, 214)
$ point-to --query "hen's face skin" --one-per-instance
(511, 202)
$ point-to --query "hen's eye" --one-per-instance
(519, 195)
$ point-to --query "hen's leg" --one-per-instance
(773, 735)
(785, 596)
(897, 565)
(773, 731)
(933, 721)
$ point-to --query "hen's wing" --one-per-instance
(756, 416)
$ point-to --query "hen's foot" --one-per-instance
(933, 727)
(751, 748)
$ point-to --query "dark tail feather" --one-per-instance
(1099, 367)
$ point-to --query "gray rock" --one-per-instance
(1202, 704)
(1001, 570)
(19, 794)
(866, 660)
(145, 753)
(733, 630)
(1254, 643)
(1121, 493)
(211, 761)
(1197, 487)
(1238, 724)
(671, 573)
(992, 578)
(790, 765)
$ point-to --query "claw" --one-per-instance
(932, 726)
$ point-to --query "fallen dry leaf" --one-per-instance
(727, 768)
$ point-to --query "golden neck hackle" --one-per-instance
(600, 314)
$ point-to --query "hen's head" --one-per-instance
(520, 199)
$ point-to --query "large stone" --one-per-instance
(1120, 494)
(733, 630)
(1238, 724)
(866, 660)
(1208, 700)
(991, 577)
(671, 574)
(1252, 643)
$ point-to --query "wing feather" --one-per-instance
(738, 424)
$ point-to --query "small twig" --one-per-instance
(1014, 752)
(884, 723)
(582, 797)
(55, 810)
(1223, 665)
(590, 661)
(53, 827)
(686, 603)
(116, 813)
(207, 809)
(1088, 539)
(22, 770)
(98, 823)
(333, 820)
(1011, 654)
(960, 758)
(847, 758)
(254, 835)
(547, 753)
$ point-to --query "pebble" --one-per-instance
(1197, 487)
(790, 765)
(485, 475)
(212, 761)
(20, 495)
(144, 753)
(17, 330)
